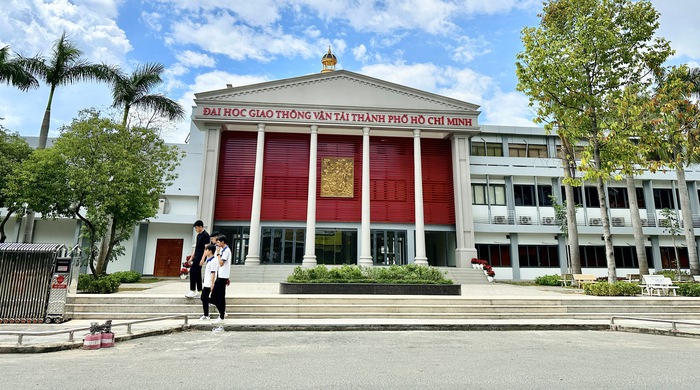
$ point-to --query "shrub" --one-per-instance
(104, 285)
(689, 289)
(547, 280)
(614, 289)
(671, 273)
(407, 274)
(127, 276)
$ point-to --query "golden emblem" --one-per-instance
(337, 177)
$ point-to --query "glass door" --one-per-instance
(389, 247)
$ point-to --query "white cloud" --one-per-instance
(152, 20)
(678, 24)
(469, 48)
(106, 8)
(256, 13)
(204, 82)
(224, 35)
(195, 60)
(360, 53)
(32, 27)
(507, 108)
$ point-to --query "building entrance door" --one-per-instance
(389, 247)
(168, 257)
(282, 245)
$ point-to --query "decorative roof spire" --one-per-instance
(329, 60)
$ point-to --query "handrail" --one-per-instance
(672, 322)
(20, 334)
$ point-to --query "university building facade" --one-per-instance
(341, 168)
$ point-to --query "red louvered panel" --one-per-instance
(340, 209)
(285, 177)
(391, 180)
(234, 187)
(438, 189)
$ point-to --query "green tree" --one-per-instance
(99, 171)
(13, 71)
(576, 63)
(677, 118)
(134, 90)
(13, 149)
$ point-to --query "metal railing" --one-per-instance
(672, 322)
(71, 332)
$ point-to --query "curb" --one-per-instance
(63, 346)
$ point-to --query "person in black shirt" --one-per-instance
(196, 260)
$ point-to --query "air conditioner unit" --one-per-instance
(501, 219)
(525, 220)
(618, 221)
(161, 205)
(595, 222)
(549, 221)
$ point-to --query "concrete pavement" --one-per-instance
(177, 288)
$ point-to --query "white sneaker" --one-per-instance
(190, 294)
(204, 318)
(218, 329)
(218, 321)
(197, 295)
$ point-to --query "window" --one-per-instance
(592, 197)
(527, 150)
(538, 256)
(577, 195)
(496, 194)
(578, 152)
(626, 256)
(525, 195)
(593, 256)
(617, 196)
(486, 148)
(668, 257)
(663, 198)
(498, 255)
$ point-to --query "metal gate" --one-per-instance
(26, 276)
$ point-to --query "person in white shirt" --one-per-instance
(218, 292)
(210, 267)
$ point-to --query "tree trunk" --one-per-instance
(106, 247)
(637, 227)
(28, 234)
(687, 221)
(607, 236)
(3, 236)
(571, 225)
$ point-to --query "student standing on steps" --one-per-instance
(196, 259)
(218, 292)
(210, 266)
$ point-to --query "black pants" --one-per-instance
(205, 300)
(218, 296)
(196, 277)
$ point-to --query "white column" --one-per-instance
(310, 242)
(210, 172)
(420, 258)
(253, 257)
(464, 223)
(365, 245)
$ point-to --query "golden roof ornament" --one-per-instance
(329, 60)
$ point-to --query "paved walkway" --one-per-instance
(177, 288)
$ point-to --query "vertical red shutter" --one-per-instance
(285, 177)
(340, 209)
(438, 189)
(234, 186)
(391, 179)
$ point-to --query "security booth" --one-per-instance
(34, 282)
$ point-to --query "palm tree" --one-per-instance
(677, 88)
(66, 66)
(13, 72)
(134, 91)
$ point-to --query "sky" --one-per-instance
(463, 49)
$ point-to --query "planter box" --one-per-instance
(370, 288)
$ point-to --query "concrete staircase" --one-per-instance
(277, 273)
(387, 307)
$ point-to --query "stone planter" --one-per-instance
(370, 288)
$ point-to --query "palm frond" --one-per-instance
(162, 105)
